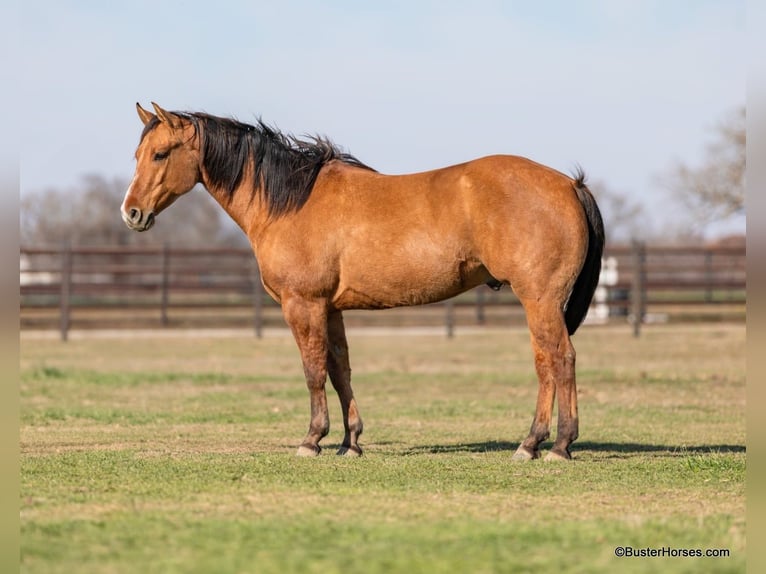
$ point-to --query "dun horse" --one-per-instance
(330, 234)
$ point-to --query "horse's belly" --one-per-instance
(415, 284)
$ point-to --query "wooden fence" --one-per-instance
(69, 287)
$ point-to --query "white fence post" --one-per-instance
(599, 311)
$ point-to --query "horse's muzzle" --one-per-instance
(136, 219)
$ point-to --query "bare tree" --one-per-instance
(37, 222)
(715, 190)
(624, 220)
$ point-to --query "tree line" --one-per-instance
(91, 216)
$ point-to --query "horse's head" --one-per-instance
(167, 166)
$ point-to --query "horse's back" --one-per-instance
(491, 181)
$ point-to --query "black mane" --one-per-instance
(285, 167)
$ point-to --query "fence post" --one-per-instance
(450, 317)
(480, 296)
(638, 289)
(66, 289)
(165, 286)
(257, 299)
(709, 275)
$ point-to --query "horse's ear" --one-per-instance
(145, 116)
(167, 117)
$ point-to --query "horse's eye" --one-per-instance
(160, 155)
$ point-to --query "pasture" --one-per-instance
(171, 453)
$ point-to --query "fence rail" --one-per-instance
(110, 286)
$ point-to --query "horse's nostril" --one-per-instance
(135, 214)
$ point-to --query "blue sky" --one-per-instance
(624, 88)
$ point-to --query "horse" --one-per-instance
(329, 233)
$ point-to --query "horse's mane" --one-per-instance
(285, 166)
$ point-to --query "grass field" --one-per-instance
(176, 454)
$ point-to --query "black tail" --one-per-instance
(586, 283)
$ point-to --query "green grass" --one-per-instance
(177, 455)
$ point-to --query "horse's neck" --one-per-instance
(244, 207)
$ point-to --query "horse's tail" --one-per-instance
(587, 280)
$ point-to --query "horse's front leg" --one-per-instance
(340, 375)
(308, 321)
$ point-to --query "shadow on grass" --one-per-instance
(620, 449)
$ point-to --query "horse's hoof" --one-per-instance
(523, 455)
(556, 456)
(352, 451)
(308, 450)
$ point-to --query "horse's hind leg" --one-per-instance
(340, 375)
(555, 365)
